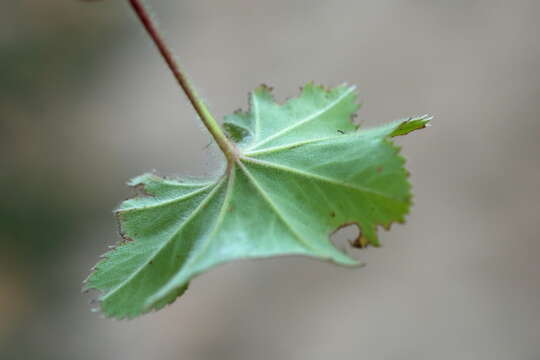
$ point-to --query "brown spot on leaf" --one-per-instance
(140, 190)
(380, 169)
(333, 214)
(125, 239)
(266, 87)
(360, 242)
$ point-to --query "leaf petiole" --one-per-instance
(198, 104)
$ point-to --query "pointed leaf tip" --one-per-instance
(411, 124)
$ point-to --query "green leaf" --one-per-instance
(303, 170)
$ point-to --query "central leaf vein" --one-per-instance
(273, 206)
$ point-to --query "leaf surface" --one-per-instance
(303, 170)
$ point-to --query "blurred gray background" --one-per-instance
(86, 103)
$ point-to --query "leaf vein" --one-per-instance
(161, 247)
(309, 118)
(269, 201)
(292, 145)
(163, 203)
(318, 177)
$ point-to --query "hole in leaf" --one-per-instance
(348, 235)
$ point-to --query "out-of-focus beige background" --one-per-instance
(86, 103)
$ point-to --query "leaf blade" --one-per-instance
(303, 171)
